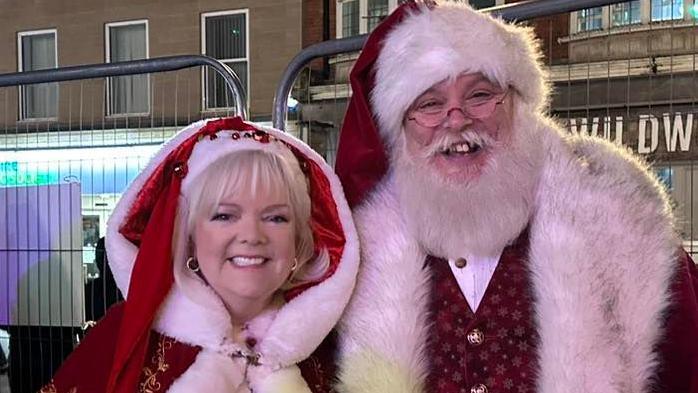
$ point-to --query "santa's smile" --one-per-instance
(461, 148)
(465, 158)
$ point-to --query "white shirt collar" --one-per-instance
(474, 277)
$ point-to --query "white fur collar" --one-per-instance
(603, 251)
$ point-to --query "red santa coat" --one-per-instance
(87, 368)
(613, 302)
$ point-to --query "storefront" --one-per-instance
(102, 173)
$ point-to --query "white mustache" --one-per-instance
(446, 140)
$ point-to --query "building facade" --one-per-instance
(256, 39)
(629, 74)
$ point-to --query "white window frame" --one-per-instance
(20, 68)
(204, 91)
(686, 9)
(609, 23)
(107, 58)
(363, 12)
(645, 19)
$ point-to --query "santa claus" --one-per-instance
(500, 254)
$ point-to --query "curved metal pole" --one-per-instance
(530, 9)
(518, 11)
(321, 49)
(146, 66)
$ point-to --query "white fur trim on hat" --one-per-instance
(432, 45)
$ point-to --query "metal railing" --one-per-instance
(518, 11)
(134, 67)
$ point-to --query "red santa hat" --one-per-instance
(416, 47)
(141, 229)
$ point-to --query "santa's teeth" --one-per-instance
(247, 261)
(458, 148)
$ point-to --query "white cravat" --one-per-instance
(474, 277)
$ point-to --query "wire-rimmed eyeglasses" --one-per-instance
(433, 113)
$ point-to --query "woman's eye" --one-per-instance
(221, 217)
(277, 219)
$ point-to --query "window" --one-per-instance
(625, 13)
(224, 37)
(666, 10)
(37, 51)
(377, 11)
(350, 18)
(127, 94)
(356, 17)
(682, 182)
(590, 19)
(478, 4)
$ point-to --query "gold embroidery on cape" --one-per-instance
(150, 382)
(51, 388)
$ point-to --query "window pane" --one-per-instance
(590, 19)
(218, 94)
(350, 18)
(477, 4)
(128, 94)
(377, 11)
(226, 39)
(127, 42)
(667, 10)
(682, 182)
(226, 36)
(38, 53)
(625, 13)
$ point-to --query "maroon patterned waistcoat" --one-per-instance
(492, 350)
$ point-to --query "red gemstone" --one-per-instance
(180, 169)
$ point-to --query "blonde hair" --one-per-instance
(255, 170)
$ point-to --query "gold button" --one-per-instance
(479, 388)
(460, 263)
(476, 337)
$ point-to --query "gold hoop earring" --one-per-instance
(193, 264)
(295, 265)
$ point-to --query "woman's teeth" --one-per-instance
(247, 261)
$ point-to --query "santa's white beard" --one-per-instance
(474, 218)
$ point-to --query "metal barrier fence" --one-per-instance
(63, 166)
